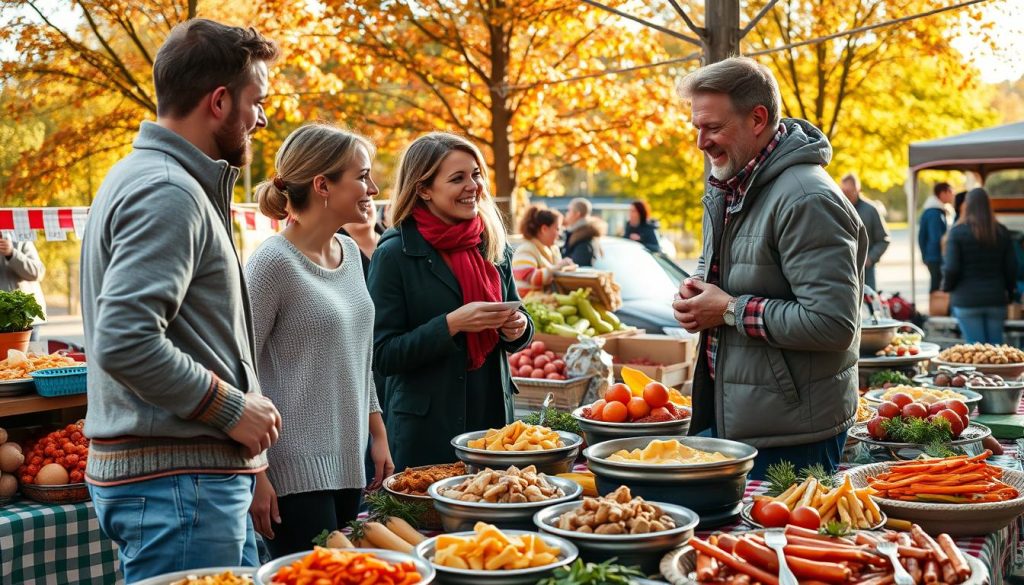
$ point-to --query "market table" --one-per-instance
(50, 544)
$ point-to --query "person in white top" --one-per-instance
(314, 339)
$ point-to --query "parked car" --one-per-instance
(649, 282)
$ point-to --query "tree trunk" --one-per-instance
(192, 7)
(501, 118)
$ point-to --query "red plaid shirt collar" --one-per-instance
(736, 187)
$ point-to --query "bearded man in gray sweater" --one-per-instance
(177, 422)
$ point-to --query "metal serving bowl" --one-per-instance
(265, 576)
(169, 578)
(713, 490)
(598, 431)
(457, 515)
(876, 336)
(551, 462)
(999, 399)
(645, 550)
(451, 576)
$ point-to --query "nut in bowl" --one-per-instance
(620, 525)
(521, 445)
(1005, 360)
(490, 556)
(506, 499)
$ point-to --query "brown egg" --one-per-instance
(10, 457)
(52, 474)
(8, 485)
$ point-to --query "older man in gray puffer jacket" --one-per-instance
(777, 293)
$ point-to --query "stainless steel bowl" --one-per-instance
(451, 576)
(458, 516)
(999, 399)
(551, 462)
(713, 490)
(168, 578)
(598, 431)
(427, 573)
(875, 337)
(645, 550)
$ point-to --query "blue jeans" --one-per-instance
(180, 522)
(828, 453)
(981, 324)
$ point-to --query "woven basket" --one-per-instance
(568, 393)
(53, 382)
(954, 519)
(71, 493)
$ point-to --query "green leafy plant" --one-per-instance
(554, 419)
(783, 474)
(835, 529)
(17, 311)
(879, 378)
(383, 505)
(580, 573)
(321, 539)
(918, 430)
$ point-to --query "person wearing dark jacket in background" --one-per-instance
(438, 280)
(878, 234)
(582, 233)
(934, 223)
(980, 271)
(958, 206)
(641, 228)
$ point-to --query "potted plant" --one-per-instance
(18, 309)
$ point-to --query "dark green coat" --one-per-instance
(430, 397)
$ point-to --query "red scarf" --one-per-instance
(459, 245)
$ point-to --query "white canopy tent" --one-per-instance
(980, 152)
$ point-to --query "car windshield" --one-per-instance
(637, 271)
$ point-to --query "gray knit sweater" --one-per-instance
(314, 342)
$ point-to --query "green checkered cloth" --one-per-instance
(57, 545)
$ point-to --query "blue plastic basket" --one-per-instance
(53, 382)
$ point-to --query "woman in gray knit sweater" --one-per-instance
(314, 339)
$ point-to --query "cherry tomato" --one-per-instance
(805, 517)
(772, 515)
(615, 411)
(656, 394)
(618, 393)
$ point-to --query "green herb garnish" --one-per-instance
(321, 539)
(580, 573)
(554, 419)
(835, 529)
(878, 379)
(383, 505)
(918, 430)
(780, 476)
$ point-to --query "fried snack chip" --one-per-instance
(666, 453)
(19, 365)
(225, 578)
(518, 436)
(490, 549)
(415, 481)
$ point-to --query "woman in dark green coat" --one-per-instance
(437, 279)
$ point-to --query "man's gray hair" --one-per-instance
(747, 83)
(581, 205)
(852, 177)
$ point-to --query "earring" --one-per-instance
(325, 203)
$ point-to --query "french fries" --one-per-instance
(518, 436)
(843, 503)
(490, 549)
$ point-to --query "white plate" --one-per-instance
(16, 387)
(969, 396)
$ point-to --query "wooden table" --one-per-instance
(32, 403)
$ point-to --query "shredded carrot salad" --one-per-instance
(342, 567)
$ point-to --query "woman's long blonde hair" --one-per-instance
(418, 168)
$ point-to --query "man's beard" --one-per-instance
(724, 172)
(232, 141)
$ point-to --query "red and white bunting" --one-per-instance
(21, 224)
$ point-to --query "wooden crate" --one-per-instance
(674, 355)
(567, 393)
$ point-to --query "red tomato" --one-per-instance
(597, 408)
(956, 424)
(618, 393)
(888, 409)
(915, 410)
(552, 375)
(525, 360)
(656, 394)
(875, 428)
(805, 517)
(560, 364)
(902, 399)
(550, 369)
(551, 355)
(958, 407)
(661, 412)
(773, 514)
(538, 347)
(615, 411)
(525, 371)
(541, 361)
(537, 373)
(759, 505)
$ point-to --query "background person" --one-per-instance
(582, 233)
(980, 271)
(177, 423)
(934, 223)
(23, 270)
(777, 293)
(878, 233)
(440, 336)
(640, 227)
(538, 258)
(958, 206)
(314, 339)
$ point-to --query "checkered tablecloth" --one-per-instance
(54, 545)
